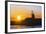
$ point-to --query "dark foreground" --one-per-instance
(27, 23)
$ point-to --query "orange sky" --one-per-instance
(23, 12)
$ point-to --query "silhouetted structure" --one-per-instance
(29, 21)
(33, 16)
(32, 21)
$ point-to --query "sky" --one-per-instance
(25, 11)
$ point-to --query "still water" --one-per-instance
(23, 26)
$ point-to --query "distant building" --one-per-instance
(29, 21)
(33, 16)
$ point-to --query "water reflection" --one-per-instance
(23, 26)
(18, 26)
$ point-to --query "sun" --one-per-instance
(19, 18)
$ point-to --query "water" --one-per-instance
(23, 26)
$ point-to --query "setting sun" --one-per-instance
(19, 18)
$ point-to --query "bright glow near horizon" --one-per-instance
(19, 18)
(21, 12)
